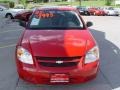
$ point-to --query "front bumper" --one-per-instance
(76, 74)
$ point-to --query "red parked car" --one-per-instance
(23, 15)
(56, 47)
(96, 12)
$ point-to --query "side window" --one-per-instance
(72, 20)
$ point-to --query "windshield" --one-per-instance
(55, 19)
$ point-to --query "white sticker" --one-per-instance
(35, 21)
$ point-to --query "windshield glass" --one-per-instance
(55, 19)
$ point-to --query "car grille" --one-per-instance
(68, 64)
(57, 58)
(52, 61)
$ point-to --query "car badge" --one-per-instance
(59, 62)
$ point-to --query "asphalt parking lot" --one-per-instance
(106, 31)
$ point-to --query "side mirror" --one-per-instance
(88, 24)
(22, 23)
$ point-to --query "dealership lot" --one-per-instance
(106, 32)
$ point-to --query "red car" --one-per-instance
(23, 15)
(56, 47)
(96, 12)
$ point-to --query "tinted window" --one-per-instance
(55, 19)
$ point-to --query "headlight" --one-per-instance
(92, 55)
(24, 56)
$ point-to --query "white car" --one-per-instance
(10, 13)
(117, 9)
(2, 10)
(111, 11)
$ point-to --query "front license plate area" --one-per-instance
(59, 78)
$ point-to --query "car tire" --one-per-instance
(9, 16)
(88, 14)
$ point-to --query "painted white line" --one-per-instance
(116, 88)
(7, 46)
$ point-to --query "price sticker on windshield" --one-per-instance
(42, 14)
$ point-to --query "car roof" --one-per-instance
(56, 8)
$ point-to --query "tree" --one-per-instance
(24, 3)
(108, 2)
(80, 2)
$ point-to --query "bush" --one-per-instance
(108, 2)
(11, 4)
(4, 1)
(24, 3)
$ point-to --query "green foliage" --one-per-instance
(108, 2)
(3, 1)
(24, 3)
(40, 1)
(11, 3)
(92, 3)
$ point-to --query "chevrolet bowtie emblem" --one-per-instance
(59, 62)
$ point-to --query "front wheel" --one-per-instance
(9, 16)
(87, 13)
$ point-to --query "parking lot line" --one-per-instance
(116, 88)
(7, 46)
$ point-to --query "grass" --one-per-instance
(77, 3)
(94, 3)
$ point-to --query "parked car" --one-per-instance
(100, 12)
(57, 48)
(118, 10)
(23, 15)
(2, 10)
(91, 10)
(83, 10)
(10, 13)
(97, 12)
(111, 11)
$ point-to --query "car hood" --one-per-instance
(15, 10)
(60, 43)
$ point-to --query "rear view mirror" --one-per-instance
(22, 23)
(88, 24)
